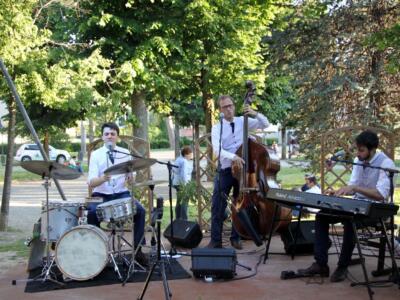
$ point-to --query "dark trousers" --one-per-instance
(181, 207)
(223, 183)
(138, 219)
(322, 242)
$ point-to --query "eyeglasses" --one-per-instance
(110, 133)
(227, 106)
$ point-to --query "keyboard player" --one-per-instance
(365, 183)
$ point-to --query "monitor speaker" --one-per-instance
(187, 234)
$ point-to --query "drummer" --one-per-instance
(112, 187)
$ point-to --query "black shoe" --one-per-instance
(212, 244)
(237, 244)
(142, 259)
(339, 275)
(315, 269)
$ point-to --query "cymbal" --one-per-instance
(148, 183)
(50, 169)
(130, 166)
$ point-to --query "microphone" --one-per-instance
(157, 212)
(109, 146)
(338, 155)
(221, 116)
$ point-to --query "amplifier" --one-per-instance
(217, 262)
(187, 234)
(305, 237)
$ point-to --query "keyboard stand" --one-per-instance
(271, 231)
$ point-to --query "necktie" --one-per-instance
(111, 157)
(233, 127)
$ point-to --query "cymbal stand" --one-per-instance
(47, 274)
(160, 262)
(133, 262)
(172, 251)
(112, 251)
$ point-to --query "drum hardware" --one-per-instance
(48, 170)
(159, 262)
(153, 241)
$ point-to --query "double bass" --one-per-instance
(252, 213)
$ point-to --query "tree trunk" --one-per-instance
(91, 130)
(196, 136)
(46, 144)
(170, 130)
(5, 201)
(208, 107)
(139, 108)
(177, 139)
(284, 142)
(83, 142)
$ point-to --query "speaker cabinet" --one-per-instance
(305, 238)
(187, 234)
(217, 263)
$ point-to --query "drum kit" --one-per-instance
(81, 251)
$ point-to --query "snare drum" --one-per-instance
(82, 252)
(63, 215)
(119, 210)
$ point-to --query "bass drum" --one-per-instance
(82, 252)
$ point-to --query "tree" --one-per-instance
(339, 77)
(279, 100)
(54, 86)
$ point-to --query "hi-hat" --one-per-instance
(148, 183)
(130, 166)
(51, 169)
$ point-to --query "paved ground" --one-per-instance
(266, 284)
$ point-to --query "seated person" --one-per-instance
(112, 187)
(365, 184)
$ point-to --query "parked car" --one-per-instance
(29, 152)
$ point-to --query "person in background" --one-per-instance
(181, 176)
(312, 185)
(305, 187)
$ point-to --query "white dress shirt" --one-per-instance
(373, 178)
(183, 174)
(231, 141)
(99, 162)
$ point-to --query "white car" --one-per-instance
(29, 152)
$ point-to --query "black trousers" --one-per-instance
(322, 242)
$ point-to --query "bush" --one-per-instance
(184, 141)
(160, 143)
(269, 141)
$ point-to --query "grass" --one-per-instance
(18, 246)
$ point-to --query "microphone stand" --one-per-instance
(395, 277)
(219, 159)
(169, 165)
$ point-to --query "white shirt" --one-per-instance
(314, 190)
(373, 178)
(99, 162)
(183, 174)
(231, 141)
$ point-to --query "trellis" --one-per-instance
(203, 174)
(343, 139)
